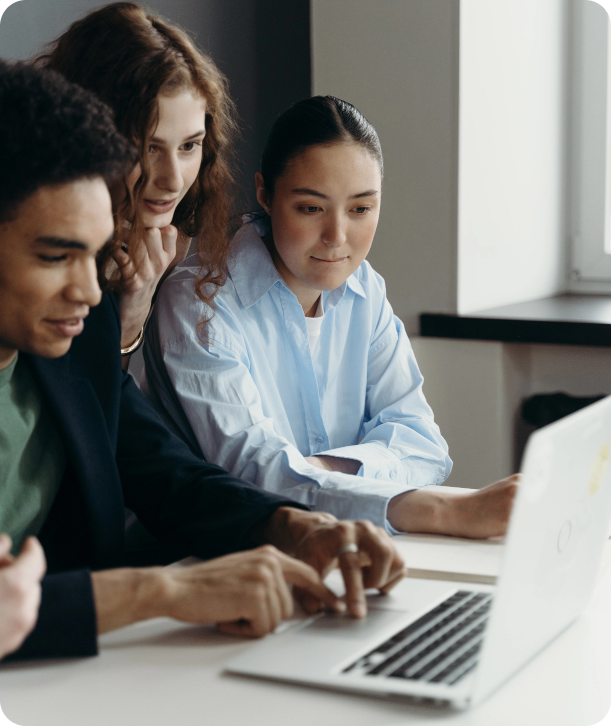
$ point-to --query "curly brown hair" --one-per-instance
(127, 57)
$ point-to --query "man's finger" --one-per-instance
(389, 585)
(285, 598)
(31, 559)
(377, 544)
(298, 573)
(350, 565)
(241, 628)
(5, 545)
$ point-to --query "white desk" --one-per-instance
(160, 673)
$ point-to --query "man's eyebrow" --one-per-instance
(157, 140)
(61, 243)
(67, 244)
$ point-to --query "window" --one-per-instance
(591, 159)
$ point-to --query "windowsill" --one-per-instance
(564, 320)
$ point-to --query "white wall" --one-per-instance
(512, 151)
(476, 389)
(397, 61)
(474, 204)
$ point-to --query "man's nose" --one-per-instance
(84, 288)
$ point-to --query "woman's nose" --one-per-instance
(167, 175)
(334, 233)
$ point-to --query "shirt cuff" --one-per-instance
(350, 497)
(377, 461)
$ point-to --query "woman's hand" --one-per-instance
(479, 514)
(141, 275)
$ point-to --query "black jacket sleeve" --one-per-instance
(179, 497)
(66, 625)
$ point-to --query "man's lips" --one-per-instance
(67, 327)
(160, 206)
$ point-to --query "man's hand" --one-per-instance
(19, 591)
(246, 593)
(479, 514)
(325, 543)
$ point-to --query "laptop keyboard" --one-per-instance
(440, 647)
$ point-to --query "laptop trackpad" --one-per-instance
(345, 626)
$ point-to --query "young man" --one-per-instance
(79, 439)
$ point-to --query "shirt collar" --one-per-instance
(250, 266)
(253, 273)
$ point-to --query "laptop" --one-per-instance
(454, 644)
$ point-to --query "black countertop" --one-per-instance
(564, 320)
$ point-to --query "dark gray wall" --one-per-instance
(263, 46)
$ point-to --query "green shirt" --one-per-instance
(32, 455)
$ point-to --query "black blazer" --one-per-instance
(120, 453)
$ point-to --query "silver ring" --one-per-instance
(347, 548)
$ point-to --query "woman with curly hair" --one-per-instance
(172, 102)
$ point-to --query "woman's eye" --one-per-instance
(361, 210)
(310, 209)
(191, 146)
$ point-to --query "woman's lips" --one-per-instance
(68, 327)
(159, 207)
(330, 262)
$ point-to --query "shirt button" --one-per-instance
(393, 474)
(378, 474)
(319, 439)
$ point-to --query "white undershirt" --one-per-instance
(313, 326)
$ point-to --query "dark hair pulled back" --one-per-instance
(320, 120)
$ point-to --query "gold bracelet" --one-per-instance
(135, 345)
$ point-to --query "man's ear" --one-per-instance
(262, 195)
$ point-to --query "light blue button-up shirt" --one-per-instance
(255, 400)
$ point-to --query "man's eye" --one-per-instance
(49, 258)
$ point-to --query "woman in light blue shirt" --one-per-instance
(301, 379)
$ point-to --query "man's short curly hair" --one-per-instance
(52, 132)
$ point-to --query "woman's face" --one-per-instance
(174, 156)
(324, 212)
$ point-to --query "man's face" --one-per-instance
(48, 275)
